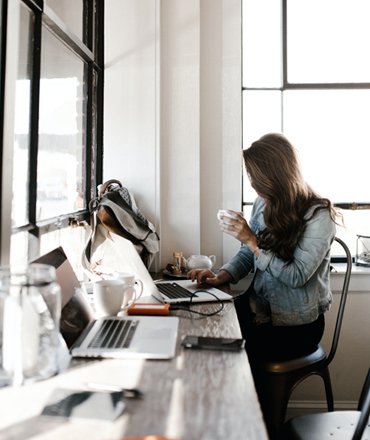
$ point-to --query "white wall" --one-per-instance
(173, 136)
(131, 79)
(173, 116)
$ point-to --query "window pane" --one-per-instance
(355, 222)
(60, 160)
(19, 249)
(22, 121)
(330, 130)
(328, 41)
(249, 194)
(261, 115)
(72, 240)
(71, 12)
(261, 43)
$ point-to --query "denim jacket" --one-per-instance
(289, 294)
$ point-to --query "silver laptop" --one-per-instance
(186, 291)
(147, 337)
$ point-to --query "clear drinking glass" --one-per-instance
(30, 305)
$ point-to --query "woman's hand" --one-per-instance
(208, 277)
(236, 226)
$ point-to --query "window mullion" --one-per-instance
(284, 43)
(35, 5)
(88, 132)
(34, 118)
(56, 26)
(99, 90)
(326, 86)
(88, 27)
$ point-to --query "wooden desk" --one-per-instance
(198, 395)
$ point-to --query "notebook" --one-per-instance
(119, 255)
(146, 337)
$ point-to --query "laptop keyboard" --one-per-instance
(114, 333)
(175, 291)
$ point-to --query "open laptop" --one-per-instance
(119, 255)
(147, 337)
(186, 291)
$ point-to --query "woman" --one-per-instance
(287, 244)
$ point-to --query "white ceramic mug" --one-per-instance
(108, 296)
(133, 288)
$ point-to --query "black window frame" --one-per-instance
(91, 51)
(3, 33)
(286, 85)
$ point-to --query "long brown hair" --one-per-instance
(273, 169)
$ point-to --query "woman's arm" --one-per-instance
(312, 249)
(236, 226)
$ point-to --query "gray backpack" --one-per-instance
(115, 211)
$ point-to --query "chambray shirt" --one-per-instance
(294, 293)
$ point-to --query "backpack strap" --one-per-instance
(105, 186)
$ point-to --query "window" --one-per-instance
(57, 123)
(306, 74)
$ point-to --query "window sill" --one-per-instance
(360, 278)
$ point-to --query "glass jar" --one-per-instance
(31, 303)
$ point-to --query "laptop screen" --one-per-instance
(76, 310)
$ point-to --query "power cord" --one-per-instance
(197, 312)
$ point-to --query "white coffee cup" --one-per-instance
(224, 213)
(133, 288)
(108, 296)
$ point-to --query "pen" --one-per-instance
(127, 392)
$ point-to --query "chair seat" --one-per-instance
(338, 425)
(295, 364)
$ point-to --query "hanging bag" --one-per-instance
(114, 211)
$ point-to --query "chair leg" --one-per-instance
(328, 389)
(273, 392)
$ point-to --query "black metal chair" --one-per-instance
(349, 425)
(278, 379)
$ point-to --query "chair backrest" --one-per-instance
(343, 299)
(364, 407)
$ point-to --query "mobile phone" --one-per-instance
(213, 343)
